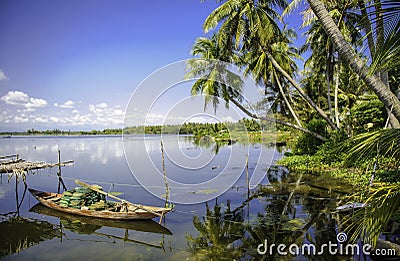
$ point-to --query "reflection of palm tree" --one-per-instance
(217, 234)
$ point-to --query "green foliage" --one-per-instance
(307, 144)
(367, 114)
(382, 202)
(367, 146)
(327, 153)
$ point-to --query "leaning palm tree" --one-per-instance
(348, 54)
(250, 26)
(260, 67)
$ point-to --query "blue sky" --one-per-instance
(74, 64)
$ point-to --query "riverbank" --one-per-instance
(356, 177)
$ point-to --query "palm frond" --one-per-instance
(364, 147)
(382, 202)
(387, 54)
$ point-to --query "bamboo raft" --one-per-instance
(13, 164)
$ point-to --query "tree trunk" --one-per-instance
(300, 90)
(336, 93)
(393, 122)
(286, 100)
(347, 53)
(329, 77)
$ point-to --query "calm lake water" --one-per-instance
(229, 226)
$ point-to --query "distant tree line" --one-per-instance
(189, 128)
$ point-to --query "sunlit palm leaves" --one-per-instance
(387, 55)
(368, 145)
(214, 79)
(382, 202)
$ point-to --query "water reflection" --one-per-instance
(78, 223)
(218, 232)
(292, 212)
(45, 148)
(288, 208)
(18, 233)
(92, 226)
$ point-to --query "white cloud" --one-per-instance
(36, 103)
(153, 118)
(54, 119)
(40, 120)
(20, 119)
(15, 98)
(66, 105)
(119, 112)
(3, 76)
(22, 99)
(102, 105)
(25, 114)
(228, 119)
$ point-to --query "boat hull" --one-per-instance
(132, 214)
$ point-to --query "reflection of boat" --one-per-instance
(138, 225)
(18, 233)
(351, 207)
(132, 212)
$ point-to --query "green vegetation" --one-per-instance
(245, 130)
(368, 161)
(62, 132)
(345, 102)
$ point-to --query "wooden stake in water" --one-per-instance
(165, 175)
(59, 173)
(247, 172)
(248, 187)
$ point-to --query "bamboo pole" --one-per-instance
(59, 173)
(248, 187)
(247, 172)
(165, 174)
(9, 156)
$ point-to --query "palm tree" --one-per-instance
(347, 53)
(249, 27)
(264, 72)
(382, 199)
(323, 59)
(215, 81)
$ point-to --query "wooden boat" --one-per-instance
(351, 207)
(132, 211)
(149, 226)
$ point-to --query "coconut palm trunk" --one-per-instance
(336, 93)
(301, 91)
(348, 54)
(286, 100)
